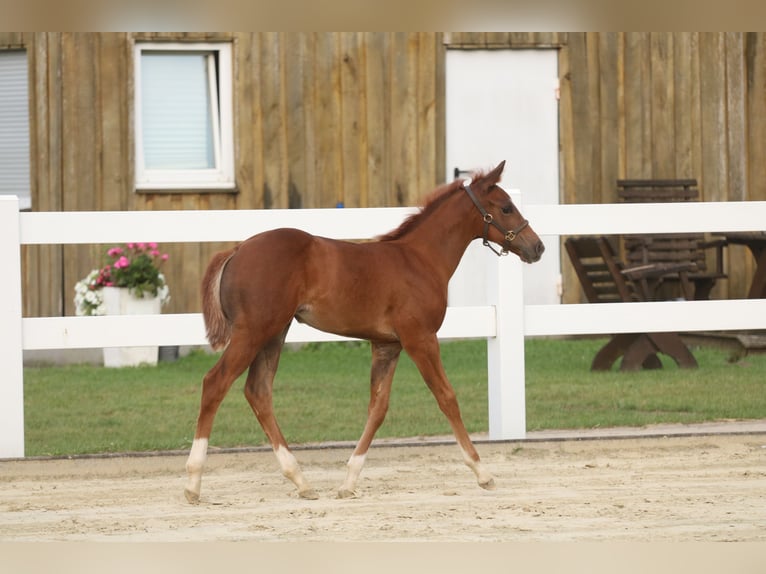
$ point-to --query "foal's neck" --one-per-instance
(444, 235)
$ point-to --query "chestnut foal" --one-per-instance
(392, 292)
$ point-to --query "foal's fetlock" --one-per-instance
(488, 483)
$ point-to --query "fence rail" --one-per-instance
(504, 322)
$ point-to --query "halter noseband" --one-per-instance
(508, 236)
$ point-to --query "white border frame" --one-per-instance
(221, 177)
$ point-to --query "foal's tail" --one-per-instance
(217, 325)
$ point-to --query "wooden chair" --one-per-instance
(605, 279)
(695, 283)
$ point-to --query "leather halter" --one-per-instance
(508, 236)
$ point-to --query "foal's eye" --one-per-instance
(507, 210)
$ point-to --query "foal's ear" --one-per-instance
(494, 176)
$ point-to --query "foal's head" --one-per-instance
(503, 223)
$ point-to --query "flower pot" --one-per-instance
(120, 301)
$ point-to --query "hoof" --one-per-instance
(345, 493)
(488, 485)
(309, 494)
(191, 497)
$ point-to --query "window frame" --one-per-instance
(218, 178)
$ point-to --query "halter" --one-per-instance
(508, 236)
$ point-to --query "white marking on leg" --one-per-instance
(355, 464)
(292, 470)
(483, 476)
(287, 462)
(194, 465)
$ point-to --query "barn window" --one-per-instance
(183, 117)
(14, 127)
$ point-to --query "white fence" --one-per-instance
(505, 321)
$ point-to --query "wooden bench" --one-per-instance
(698, 281)
(605, 279)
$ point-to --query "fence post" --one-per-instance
(505, 352)
(11, 353)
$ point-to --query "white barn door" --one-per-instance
(503, 105)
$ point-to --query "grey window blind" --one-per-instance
(176, 111)
(14, 126)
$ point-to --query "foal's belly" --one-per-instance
(347, 324)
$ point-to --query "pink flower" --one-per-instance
(154, 253)
(164, 257)
(131, 245)
(141, 246)
(152, 245)
(114, 252)
(121, 263)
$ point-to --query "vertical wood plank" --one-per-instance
(112, 90)
(696, 107)
(736, 139)
(585, 106)
(404, 119)
(755, 71)
(621, 130)
(609, 112)
(262, 196)
(426, 144)
(713, 118)
(246, 126)
(327, 88)
(684, 88)
(353, 148)
(274, 148)
(297, 60)
(440, 127)
(662, 121)
(364, 127)
(378, 89)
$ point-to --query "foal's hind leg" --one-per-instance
(216, 383)
(258, 391)
(384, 359)
(425, 353)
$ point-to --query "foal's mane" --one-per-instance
(434, 200)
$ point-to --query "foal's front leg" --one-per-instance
(425, 354)
(384, 359)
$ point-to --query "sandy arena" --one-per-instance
(662, 488)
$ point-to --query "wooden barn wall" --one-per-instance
(358, 118)
(665, 105)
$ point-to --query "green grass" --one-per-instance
(321, 393)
